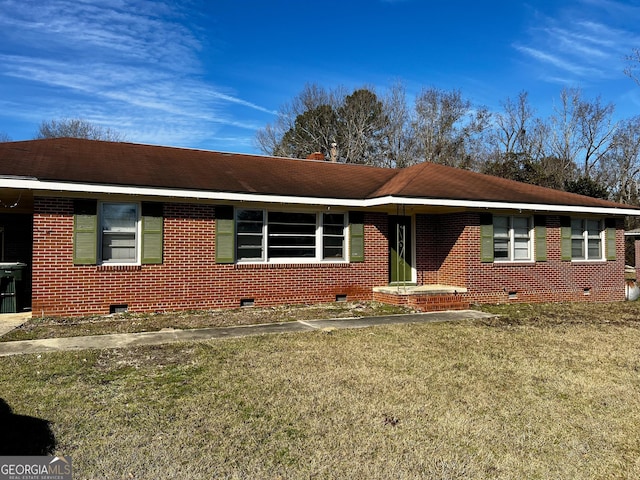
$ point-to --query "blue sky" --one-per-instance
(208, 74)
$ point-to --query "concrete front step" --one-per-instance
(426, 298)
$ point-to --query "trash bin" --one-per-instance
(11, 275)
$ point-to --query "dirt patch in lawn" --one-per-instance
(37, 328)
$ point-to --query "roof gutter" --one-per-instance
(46, 186)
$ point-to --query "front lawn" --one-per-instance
(549, 391)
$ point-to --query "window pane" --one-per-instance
(118, 217)
(250, 227)
(332, 252)
(291, 229)
(595, 250)
(288, 217)
(284, 241)
(521, 227)
(521, 250)
(250, 215)
(521, 223)
(119, 246)
(333, 235)
(593, 228)
(248, 253)
(334, 219)
(501, 249)
(577, 228)
(333, 247)
(291, 235)
(501, 227)
(249, 240)
(577, 248)
(334, 230)
(291, 252)
(119, 223)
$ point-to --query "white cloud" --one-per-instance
(585, 42)
(120, 64)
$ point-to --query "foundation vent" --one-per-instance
(119, 308)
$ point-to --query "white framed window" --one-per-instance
(281, 236)
(333, 235)
(586, 239)
(512, 239)
(119, 232)
(250, 229)
(291, 235)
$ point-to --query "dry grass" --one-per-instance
(540, 393)
(55, 327)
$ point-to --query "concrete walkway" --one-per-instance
(121, 340)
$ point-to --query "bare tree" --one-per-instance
(347, 127)
(270, 139)
(596, 130)
(361, 120)
(77, 128)
(633, 60)
(4, 137)
(517, 130)
(582, 131)
(564, 142)
(621, 165)
(398, 146)
(444, 124)
(512, 125)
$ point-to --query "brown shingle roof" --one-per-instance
(430, 180)
(97, 162)
(128, 164)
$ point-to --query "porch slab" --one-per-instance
(433, 289)
(426, 298)
(10, 321)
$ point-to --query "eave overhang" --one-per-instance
(35, 185)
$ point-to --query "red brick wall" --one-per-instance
(456, 261)
(447, 253)
(445, 244)
(188, 277)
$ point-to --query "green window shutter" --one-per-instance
(85, 232)
(225, 235)
(486, 238)
(540, 227)
(152, 233)
(356, 237)
(565, 238)
(610, 225)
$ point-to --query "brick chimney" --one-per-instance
(315, 156)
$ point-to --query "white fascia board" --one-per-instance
(486, 205)
(44, 186)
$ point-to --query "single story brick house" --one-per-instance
(105, 227)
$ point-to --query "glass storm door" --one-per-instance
(400, 250)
